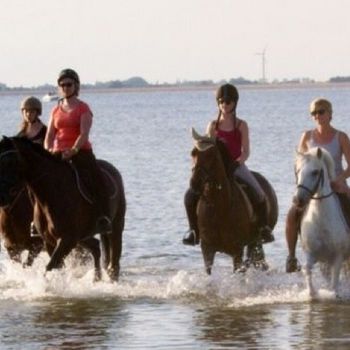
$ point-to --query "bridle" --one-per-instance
(207, 177)
(319, 182)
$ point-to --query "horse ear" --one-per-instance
(202, 143)
(319, 152)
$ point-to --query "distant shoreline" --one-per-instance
(317, 85)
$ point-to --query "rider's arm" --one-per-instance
(243, 127)
(50, 135)
(345, 147)
(211, 129)
(85, 126)
(302, 147)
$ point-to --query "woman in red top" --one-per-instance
(234, 133)
(68, 135)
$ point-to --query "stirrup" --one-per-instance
(292, 264)
(191, 238)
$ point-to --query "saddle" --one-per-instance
(83, 181)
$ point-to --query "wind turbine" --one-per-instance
(263, 64)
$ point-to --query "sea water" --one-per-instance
(164, 299)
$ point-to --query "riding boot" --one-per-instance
(265, 230)
(192, 235)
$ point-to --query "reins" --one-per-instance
(320, 181)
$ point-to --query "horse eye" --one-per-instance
(314, 172)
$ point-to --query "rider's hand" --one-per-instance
(69, 153)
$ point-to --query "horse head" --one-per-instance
(208, 165)
(11, 181)
(313, 169)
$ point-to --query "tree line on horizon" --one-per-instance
(138, 82)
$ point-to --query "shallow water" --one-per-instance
(164, 299)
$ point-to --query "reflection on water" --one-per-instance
(65, 324)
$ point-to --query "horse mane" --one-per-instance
(37, 148)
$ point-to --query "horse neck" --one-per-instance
(40, 172)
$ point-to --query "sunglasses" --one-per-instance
(225, 100)
(68, 85)
(319, 112)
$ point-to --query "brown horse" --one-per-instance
(63, 215)
(226, 219)
(15, 228)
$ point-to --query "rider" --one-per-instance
(235, 134)
(68, 134)
(32, 127)
(337, 143)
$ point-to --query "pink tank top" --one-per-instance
(233, 141)
(67, 125)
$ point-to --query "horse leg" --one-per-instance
(62, 249)
(238, 264)
(208, 257)
(93, 245)
(105, 250)
(14, 254)
(256, 256)
(36, 245)
(336, 273)
(113, 248)
(310, 261)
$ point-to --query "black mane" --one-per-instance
(37, 148)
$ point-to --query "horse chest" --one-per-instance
(323, 231)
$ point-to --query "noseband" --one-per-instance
(206, 177)
(319, 182)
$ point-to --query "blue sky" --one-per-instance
(165, 41)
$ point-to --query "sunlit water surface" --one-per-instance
(164, 299)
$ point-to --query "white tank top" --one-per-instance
(333, 147)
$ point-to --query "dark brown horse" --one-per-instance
(226, 219)
(15, 228)
(63, 215)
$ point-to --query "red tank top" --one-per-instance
(233, 141)
(67, 125)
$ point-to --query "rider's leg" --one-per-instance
(265, 230)
(191, 200)
(344, 200)
(292, 227)
(85, 160)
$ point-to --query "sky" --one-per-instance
(169, 41)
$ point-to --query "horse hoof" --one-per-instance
(261, 265)
(98, 276)
(113, 275)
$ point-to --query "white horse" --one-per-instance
(325, 236)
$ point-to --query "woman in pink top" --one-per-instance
(68, 135)
(234, 133)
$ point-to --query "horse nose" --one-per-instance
(298, 202)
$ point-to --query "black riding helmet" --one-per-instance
(68, 73)
(227, 93)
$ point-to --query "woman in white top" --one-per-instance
(337, 143)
